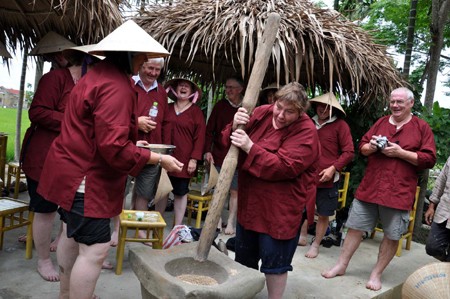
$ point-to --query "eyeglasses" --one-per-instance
(400, 102)
(231, 87)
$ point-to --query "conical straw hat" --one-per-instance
(3, 51)
(271, 86)
(430, 281)
(328, 99)
(84, 49)
(52, 42)
(129, 37)
(171, 85)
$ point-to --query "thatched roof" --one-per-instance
(317, 47)
(83, 22)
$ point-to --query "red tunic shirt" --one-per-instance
(336, 147)
(45, 113)
(392, 182)
(220, 117)
(278, 175)
(97, 143)
(161, 134)
(188, 135)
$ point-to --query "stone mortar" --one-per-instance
(157, 271)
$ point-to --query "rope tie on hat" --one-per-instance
(194, 96)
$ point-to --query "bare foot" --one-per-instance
(54, 244)
(107, 265)
(337, 270)
(374, 283)
(47, 271)
(302, 241)
(22, 239)
(313, 251)
(114, 239)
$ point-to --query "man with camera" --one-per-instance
(397, 147)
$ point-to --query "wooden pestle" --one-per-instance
(263, 52)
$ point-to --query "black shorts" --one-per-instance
(38, 204)
(85, 230)
(180, 185)
(327, 200)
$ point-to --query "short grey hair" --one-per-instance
(159, 60)
(408, 92)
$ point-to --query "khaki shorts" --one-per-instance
(364, 216)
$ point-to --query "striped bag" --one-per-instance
(179, 234)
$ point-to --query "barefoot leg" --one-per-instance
(67, 253)
(54, 244)
(321, 229)
(351, 243)
(115, 234)
(231, 223)
(179, 205)
(87, 268)
(42, 230)
(302, 241)
(386, 253)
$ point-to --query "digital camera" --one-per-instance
(382, 142)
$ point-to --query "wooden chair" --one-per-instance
(12, 215)
(196, 202)
(342, 199)
(14, 171)
(409, 234)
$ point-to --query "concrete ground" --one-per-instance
(20, 280)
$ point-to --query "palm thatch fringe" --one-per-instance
(24, 23)
(317, 47)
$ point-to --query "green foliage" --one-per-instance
(29, 94)
(387, 22)
(439, 121)
(355, 10)
(8, 118)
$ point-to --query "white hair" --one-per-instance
(159, 60)
(408, 92)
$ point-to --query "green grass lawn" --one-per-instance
(8, 118)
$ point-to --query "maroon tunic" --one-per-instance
(45, 113)
(277, 176)
(161, 134)
(97, 143)
(336, 147)
(188, 135)
(220, 117)
(392, 182)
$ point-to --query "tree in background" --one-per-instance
(417, 29)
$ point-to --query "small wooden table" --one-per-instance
(12, 215)
(152, 222)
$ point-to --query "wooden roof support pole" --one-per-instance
(263, 52)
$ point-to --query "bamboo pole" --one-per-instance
(262, 57)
